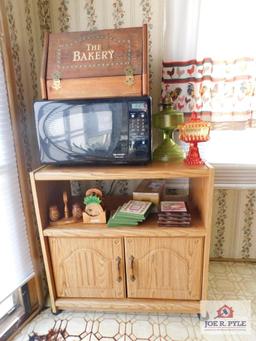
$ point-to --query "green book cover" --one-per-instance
(124, 216)
(119, 224)
(118, 215)
(115, 220)
(132, 216)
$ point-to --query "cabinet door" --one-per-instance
(164, 268)
(88, 267)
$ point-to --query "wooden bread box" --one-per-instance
(93, 64)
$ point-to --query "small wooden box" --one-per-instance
(93, 64)
(149, 190)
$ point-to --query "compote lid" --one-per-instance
(194, 129)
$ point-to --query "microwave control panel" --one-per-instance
(137, 125)
(139, 129)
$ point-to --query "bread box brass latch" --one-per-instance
(56, 82)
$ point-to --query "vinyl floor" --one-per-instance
(227, 281)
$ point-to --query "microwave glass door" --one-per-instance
(73, 130)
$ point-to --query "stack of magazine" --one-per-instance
(174, 213)
(130, 213)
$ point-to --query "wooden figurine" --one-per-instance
(54, 213)
(65, 201)
(94, 212)
(77, 211)
(67, 219)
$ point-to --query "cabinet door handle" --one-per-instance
(132, 276)
(118, 262)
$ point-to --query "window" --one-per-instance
(209, 68)
(16, 266)
(13, 311)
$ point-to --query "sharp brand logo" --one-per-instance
(92, 52)
(225, 312)
(119, 156)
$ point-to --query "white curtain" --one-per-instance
(15, 259)
(219, 29)
(209, 63)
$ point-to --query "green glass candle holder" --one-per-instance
(168, 120)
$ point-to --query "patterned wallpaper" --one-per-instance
(234, 224)
(234, 216)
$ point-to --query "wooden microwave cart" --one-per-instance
(144, 269)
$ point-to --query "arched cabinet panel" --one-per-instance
(166, 268)
(88, 267)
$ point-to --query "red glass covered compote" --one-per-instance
(193, 131)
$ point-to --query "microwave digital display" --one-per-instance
(139, 106)
(94, 131)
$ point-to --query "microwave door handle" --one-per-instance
(116, 129)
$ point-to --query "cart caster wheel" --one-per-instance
(203, 318)
(57, 312)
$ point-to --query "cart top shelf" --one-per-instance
(154, 170)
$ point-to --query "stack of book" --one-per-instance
(174, 213)
(130, 213)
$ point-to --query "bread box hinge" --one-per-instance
(129, 76)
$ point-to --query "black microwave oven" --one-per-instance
(99, 131)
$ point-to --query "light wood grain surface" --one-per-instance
(130, 305)
(91, 87)
(154, 170)
(104, 231)
(165, 268)
(88, 267)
